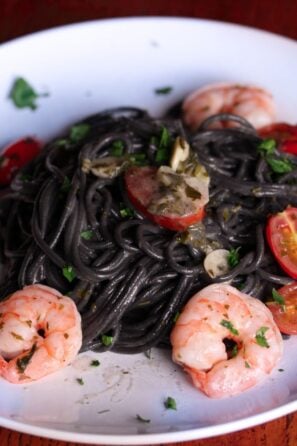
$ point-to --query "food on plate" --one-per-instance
(281, 232)
(254, 104)
(216, 316)
(284, 308)
(15, 156)
(40, 333)
(131, 216)
(285, 136)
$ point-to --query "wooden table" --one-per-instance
(19, 17)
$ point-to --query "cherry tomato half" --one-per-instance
(284, 134)
(285, 316)
(15, 156)
(142, 187)
(281, 233)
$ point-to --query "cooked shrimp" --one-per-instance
(40, 332)
(214, 316)
(254, 104)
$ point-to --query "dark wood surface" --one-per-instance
(20, 17)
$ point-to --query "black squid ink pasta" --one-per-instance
(128, 276)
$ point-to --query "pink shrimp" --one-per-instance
(214, 315)
(40, 332)
(254, 104)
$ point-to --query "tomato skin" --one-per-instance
(141, 185)
(15, 156)
(281, 234)
(284, 134)
(286, 317)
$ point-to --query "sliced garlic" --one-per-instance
(107, 167)
(216, 263)
(180, 152)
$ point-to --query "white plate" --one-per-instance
(90, 67)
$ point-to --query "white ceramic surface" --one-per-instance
(89, 67)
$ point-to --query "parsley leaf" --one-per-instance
(143, 420)
(79, 132)
(163, 90)
(139, 159)
(267, 146)
(229, 325)
(106, 340)
(176, 316)
(260, 337)
(23, 362)
(170, 403)
(66, 186)
(233, 257)
(87, 235)
(163, 153)
(23, 95)
(126, 212)
(278, 298)
(279, 165)
(69, 273)
(247, 366)
(234, 351)
(95, 363)
(80, 381)
(117, 148)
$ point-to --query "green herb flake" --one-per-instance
(26, 177)
(279, 165)
(117, 148)
(80, 381)
(87, 235)
(176, 316)
(1, 325)
(23, 95)
(138, 159)
(233, 257)
(17, 336)
(170, 403)
(278, 298)
(126, 212)
(106, 340)
(260, 337)
(247, 365)
(95, 363)
(163, 90)
(229, 325)
(163, 152)
(23, 362)
(69, 273)
(143, 420)
(79, 132)
(267, 146)
(234, 351)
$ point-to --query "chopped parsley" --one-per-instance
(106, 340)
(267, 146)
(163, 152)
(80, 381)
(170, 403)
(139, 159)
(87, 235)
(229, 325)
(23, 94)
(176, 316)
(126, 212)
(17, 336)
(280, 165)
(278, 298)
(117, 148)
(233, 257)
(234, 351)
(95, 363)
(69, 273)
(247, 366)
(163, 90)
(143, 420)
(23, 362)
(79, 132)
(260, 337)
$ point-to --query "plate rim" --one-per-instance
(164, 437)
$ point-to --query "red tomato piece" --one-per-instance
(285, 316)
(142, 188)
(15, 156)
(281, 233)
(284, 134)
